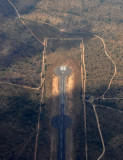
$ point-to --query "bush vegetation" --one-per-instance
(21, 60)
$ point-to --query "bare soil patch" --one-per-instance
(71, 58)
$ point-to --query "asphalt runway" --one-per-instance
(62, 121)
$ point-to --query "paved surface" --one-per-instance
(62, 121)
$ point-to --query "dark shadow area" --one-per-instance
(46, 31)
(85, 34)
(18, 127)
(61, 123)
(93, 137)
(20, 51)
(54, 44)
(25, 6)
(56, 121)
(19, 114)
(76, 125)
(43, 30)
(112, 130)
(108, 103)
(6, 11)
(113, 92)
(17, 44)
(14, 35)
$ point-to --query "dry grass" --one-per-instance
(98, 67)
(69, 57)
(25, 72)
(19, 113)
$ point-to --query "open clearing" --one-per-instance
(96, 76)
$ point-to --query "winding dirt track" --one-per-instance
(14, 8)
(94, 108)
(42, 78)
(98, 124)
(17, 85)
(83, 74)
(103, 97)
(22, 150)
(42, 96)
(83, 78)
(112, 98)
(115, 68)
(61, 30)
(24, 22)
(116, 110)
